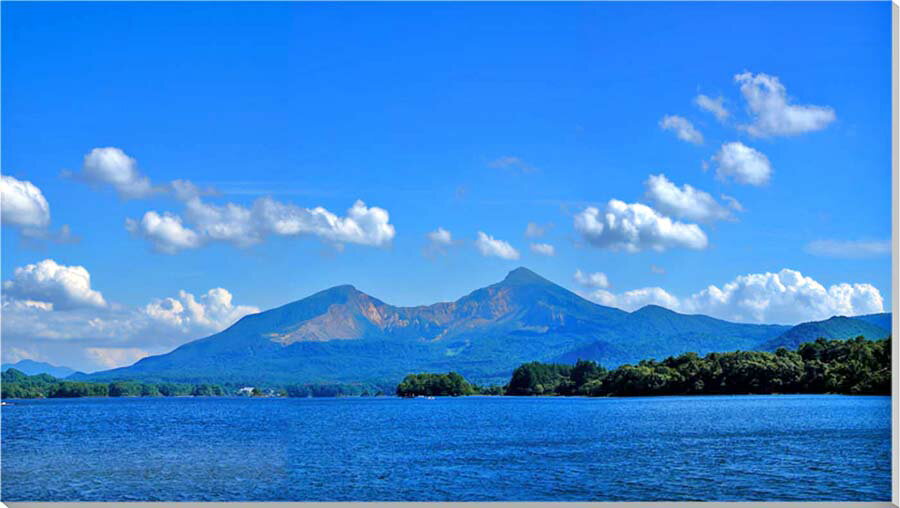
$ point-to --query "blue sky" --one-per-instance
(479, 117)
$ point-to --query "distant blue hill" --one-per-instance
(837, 327)
(32, 367)
(344, 335)
(882, 320)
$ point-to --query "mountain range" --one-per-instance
(342, 335)
(32, 367)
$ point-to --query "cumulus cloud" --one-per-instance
(634, 299)
(544, 249)
(24, 207)
(591, 280)
(58, 286)
(685, 202)
(849, 249)
(786, 297)
(52, 309)
(714, 106)
(164, 232)
(22, 204)
(511, 163)
(743, 164)
(682, 128)
(772, 113)
(112, 357)
(244, 226)
(213, 311)
(112, 166)
(488, 246)
(636, 227)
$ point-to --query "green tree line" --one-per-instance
(856, 366)
(15, 384)
(450, 384)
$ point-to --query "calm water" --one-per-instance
(475, 448)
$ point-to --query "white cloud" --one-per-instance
(62, 287)
(682, 127)
(714, 106)
(112, 357)
(52, 309)
(743, 164)
(657, 269)
(686, 202)
(591, 280)
(635, 227)
(165, 232)
(733, 203)
(544, 249)
(114, 167)
(786, 297)
(243, 226)
(849, 249)
(163, 322)
(768, 103)
(24, 207)
(15, 355)
(634, 299)
(22, 204)
(490, 246)
(440, 236)
(511, 163)
(214, 311)
(535, 230)
(439, 241)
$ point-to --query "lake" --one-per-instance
(742, 448)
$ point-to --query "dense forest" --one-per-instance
(856, 366)
(451, 384)
(17, 385)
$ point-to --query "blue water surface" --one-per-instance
(803, 447)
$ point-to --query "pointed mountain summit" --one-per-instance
(342, 335)
(522, 276)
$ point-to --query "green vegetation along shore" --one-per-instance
(857, 366)
(17, 385)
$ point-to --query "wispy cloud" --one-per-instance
(511, 163)
(544, 249)
(682, 128)
(715, 106)
(849, 249)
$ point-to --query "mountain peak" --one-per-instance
(522, 275)
(336, 294)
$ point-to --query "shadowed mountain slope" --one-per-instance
(837, 327)
(344, 335)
